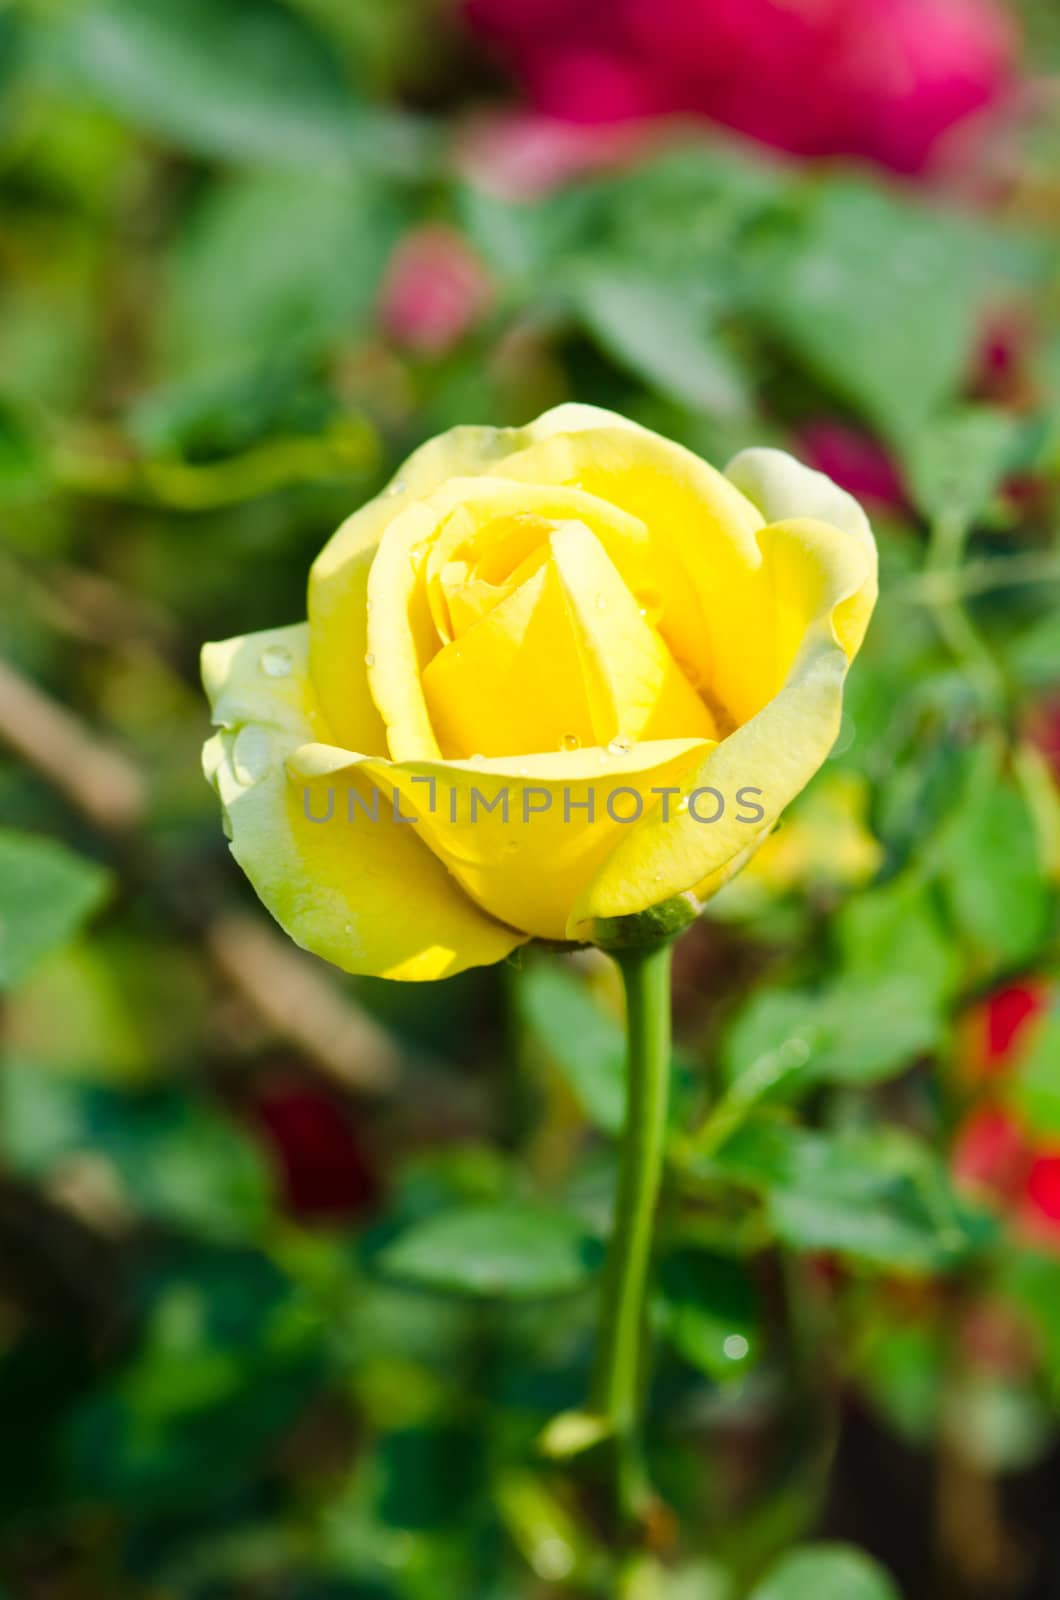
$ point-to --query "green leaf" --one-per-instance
(173, 1160)
(273, 262)
(228, 1354)
(509, 1250)
(1034, 652)
(586, 1044)
(46, 894)
(662, 332)
(826, 1572)
(855, 1030)
(991, 874)
(709, 1311)
(956, 462)
(877, 1196)
(245, 80)
(897, 929)
(878, 297)
(1035, 1084)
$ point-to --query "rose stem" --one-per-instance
(621, 1357)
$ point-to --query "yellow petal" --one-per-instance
(783, 489)
(370, 899)
(707, 563)
(338, 580)
(513, 683)
(517, 834)
(402, 635)
(823, 581)
(566, 660)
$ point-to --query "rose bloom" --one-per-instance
(995, 1156)
(434, 292)
(551, 675)
(883, 79)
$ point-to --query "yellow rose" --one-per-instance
(550, 675)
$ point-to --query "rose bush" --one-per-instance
(592, 668)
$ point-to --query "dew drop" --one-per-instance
(620, 745)
(348, 928)
(276, 661)
(601, 603)
(250, 755)
(369, 659)
(397, 487)
(570, 741)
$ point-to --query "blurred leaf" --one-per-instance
(991, 875)
(904, 1366)
(1034, 654)
(663, 332)
(956, 462)
(23, 464)
(225, 1360)
(1033, 1282)
(175, 1160)
(896, 929)
(826, 1572)
(709, 1311)
(429, 1476)
(878, 296)
(245, 80)
(1001, 1423)
(514, 1251)
(585, 1043)
(854, 1030)
(1035, 1083)
(877, 1196)
(46, 894)
(276, 262)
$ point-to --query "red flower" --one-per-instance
(854, 460)
(991, 1155)
(320, 1163)
(998, 1030)
(882, 79)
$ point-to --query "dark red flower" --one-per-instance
(321, 1165)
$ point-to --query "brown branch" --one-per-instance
(98, 780)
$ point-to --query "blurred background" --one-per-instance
(295, 1268)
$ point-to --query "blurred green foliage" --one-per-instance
(286, 1304)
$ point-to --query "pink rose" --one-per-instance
(434, 291)
(882, 79)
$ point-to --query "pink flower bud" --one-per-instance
(434, 292)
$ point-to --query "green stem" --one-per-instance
(949, 537)
(620, 1361)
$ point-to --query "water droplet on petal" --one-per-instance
(276, 661)
(620, 745)
(601, 603)
(369, 659)
(570, 741)
(348, 928)
(251, 753)
(397, 487)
